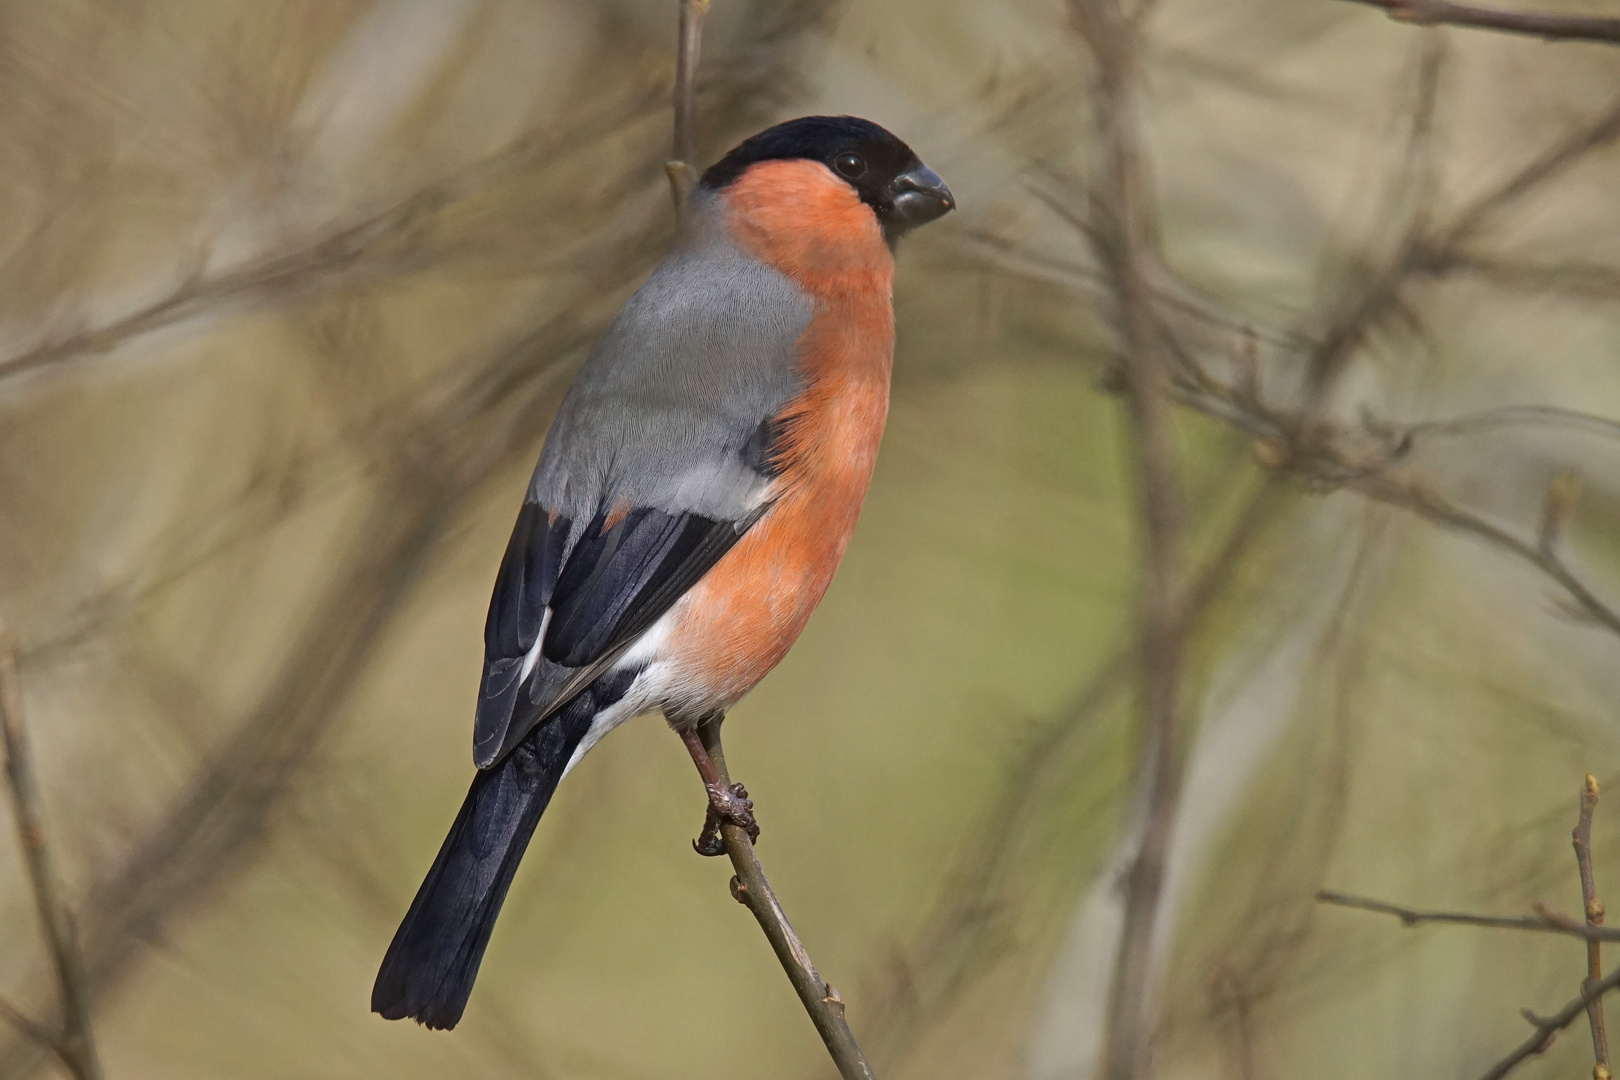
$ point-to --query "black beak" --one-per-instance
(918, 196)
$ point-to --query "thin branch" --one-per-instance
(1516, 416)
(1547, 1027)
(682, 173)
(1583, 279)
(390, 236)
(1545, 920)
(1431, 253)
(1407, 201)
(1551, 163)
(964, 932)
(1125, 233)
(76, 1046)
(753, 891)
(1529, 23)
(1593, 909)
(1331, 457)
(30, 1027)
(1593, 986)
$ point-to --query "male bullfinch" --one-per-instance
(696, 492)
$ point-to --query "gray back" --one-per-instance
(659, 414)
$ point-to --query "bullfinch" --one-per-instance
(696, 492)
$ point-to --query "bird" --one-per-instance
(695, 493)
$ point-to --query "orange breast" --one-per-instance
(741, 619)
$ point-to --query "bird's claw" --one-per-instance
(726, 806)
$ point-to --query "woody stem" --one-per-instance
(753, 891)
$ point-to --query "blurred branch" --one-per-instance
(1533, 24)
(1372, 295)
(1370, 463)
(751, 889)
(1126, 230)
(1593, 911)
(373, 239)
(1512, 416)
(76, 1046)
(30, 1027)
(962, 934)
(682, 173)
(1429, 251)
(1331, 456)
(1588, 280)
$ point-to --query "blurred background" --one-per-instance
(289, 291)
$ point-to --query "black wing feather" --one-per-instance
(626, 579)
(614, 584)
(524, 585)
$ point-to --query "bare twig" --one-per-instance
(1593, 908)
(76, 1047)
(1530, 23)
(1545, 919)
(1370, 463)
(1428, 250)
(753, 891)
(1547, 1027)
(1371, 298)
(387, 237)
(30, 1027)
(1593, 986)
(682, 173)
(1126, 232)
(1550, 416)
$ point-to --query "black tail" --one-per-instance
(433, 959)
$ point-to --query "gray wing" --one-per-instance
(660, 458)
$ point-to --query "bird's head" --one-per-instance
(884, 173)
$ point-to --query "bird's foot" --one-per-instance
(726, 806)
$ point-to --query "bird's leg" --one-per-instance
(727, 802)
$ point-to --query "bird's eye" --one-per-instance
(850, 165)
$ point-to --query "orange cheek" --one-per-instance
(801, 219)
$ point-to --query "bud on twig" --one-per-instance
(1558, 507)
(1270, 453)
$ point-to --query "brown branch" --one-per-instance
(1371, 464)
(682, 173)
(1514, 416)
(1593, 986)
(1529, 23)
(376, 238)
(1593, 909)
(1423, 251)
(1545, 919)
(76, 1046)
(30, 1027)
(1370, 298)
(964, 931)
(1125, 233)
(1547, 1027)
(751, 889)
(1587, 280)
